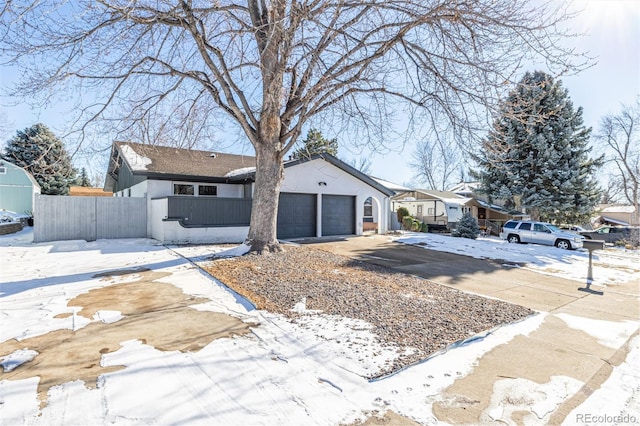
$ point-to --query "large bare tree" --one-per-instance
(621, 136)
(271, 65)
(436, 160)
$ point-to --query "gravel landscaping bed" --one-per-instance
(407, 312)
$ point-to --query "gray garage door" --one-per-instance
(297, 215)
(338, 215)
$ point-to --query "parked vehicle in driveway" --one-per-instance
(528, 231)
(610, 234)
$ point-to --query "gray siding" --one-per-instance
(88, 218)
(209, 211)
(126, 179)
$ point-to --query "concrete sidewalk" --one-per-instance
(562, 349)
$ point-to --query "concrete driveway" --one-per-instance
(569, 346)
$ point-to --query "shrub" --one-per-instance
(407, 222)
(424, 227)
(628, 244)
(415, 226)
(402, 212)
(467, 227)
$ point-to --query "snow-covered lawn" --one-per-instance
(610, 266)
(278, 374)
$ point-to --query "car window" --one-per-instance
(540, 228)
(553, 228)
(603, 231)
(510, 224)
(525, 226)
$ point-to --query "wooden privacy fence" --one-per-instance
(88, 218)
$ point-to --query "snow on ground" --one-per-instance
(279, 374)
(610, 266)
(618, 399)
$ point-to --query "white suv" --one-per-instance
(527, 231)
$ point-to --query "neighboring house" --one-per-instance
(17, 188)
(620, 215)
(443, 209)
(396, 188)
(490, 216)
(201, 196)
(438, 209)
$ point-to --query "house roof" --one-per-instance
(465, 187)
(444, 196)
(620, 208)
(500, 209)
(29, 176)
(432, 193)
(614, 221)
(392, 186)
(180, 161)
(173, 163)
(440, 194)
(184, 164)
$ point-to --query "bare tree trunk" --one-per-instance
(264, 214)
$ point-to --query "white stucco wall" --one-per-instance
(174, 233)
(301, 178)
(156, 212)
(171, 232)
(306, 178)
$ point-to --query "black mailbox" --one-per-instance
(592, 245)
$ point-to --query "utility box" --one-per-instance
(592, 245)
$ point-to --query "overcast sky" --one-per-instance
(613, 28)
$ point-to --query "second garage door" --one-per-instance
(296, 215)
(338, 215)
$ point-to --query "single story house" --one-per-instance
(438, 209)
(443, 209)
(206, 197)
(18, 188)
(617, 215)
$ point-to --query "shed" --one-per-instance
(18, 188)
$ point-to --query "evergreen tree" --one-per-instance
(83, 179)
(467, 227)
(537, 156)
(41, 153)
(315, 143)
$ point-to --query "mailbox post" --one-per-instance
(592, 245)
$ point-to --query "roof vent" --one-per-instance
(213, 155)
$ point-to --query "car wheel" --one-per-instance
(514, 239)
(563, 244)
